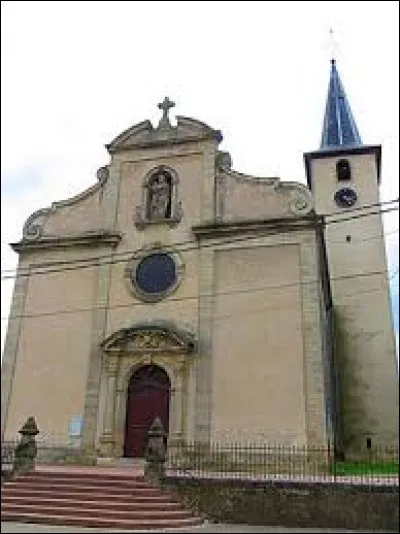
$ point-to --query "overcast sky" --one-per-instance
(76, 74)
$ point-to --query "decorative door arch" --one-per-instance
(148, 397)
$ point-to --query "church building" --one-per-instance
(236, 308)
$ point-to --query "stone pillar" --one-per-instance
(176, 433)
(109, 211)
(208, 193)
(107, 439)
(203, 361)
(119, 421)
(99, 320)
(11, 344)
(315, 402)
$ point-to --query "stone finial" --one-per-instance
(29, 428)
(156, 428)
(156, 451)
(165, 106)
(223, 161)
(102, 174)
(26, 450)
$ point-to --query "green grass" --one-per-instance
(365, 468)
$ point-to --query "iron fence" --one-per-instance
(7, 456)
(378, 466)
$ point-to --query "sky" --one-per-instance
(76, 74)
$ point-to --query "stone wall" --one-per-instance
(307, 505)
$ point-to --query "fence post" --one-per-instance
(26, 450)
(332, 459)
(155, 452)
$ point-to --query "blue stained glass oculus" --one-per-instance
(156, 273)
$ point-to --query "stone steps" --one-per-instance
(90, 503)
(91, 499)
(83, 510)
(105, 476)
(80, 496)
(59, 488)
(85, 480)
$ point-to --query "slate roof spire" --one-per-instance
(339, 128)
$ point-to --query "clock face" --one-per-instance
(345, 197)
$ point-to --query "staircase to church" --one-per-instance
(97, 498)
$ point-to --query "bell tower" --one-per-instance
(344, 177)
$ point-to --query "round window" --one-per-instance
(156, 273)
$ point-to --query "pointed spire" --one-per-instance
(339, 129)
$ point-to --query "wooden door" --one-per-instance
(148, 398)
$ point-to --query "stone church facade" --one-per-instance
(178, 287)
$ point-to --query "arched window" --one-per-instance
(343, 170)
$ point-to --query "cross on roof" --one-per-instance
(165, 106)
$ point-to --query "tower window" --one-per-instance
(348, 238)
(343, 170)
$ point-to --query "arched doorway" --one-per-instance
(148, 397)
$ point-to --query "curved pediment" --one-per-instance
(150, 338)
(68, 222)
(241, 196)
(144, 135)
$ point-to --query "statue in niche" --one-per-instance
(159, 206)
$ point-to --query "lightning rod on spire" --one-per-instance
(333, 46)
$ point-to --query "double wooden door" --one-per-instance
(148, 397)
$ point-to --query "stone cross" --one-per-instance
(165, 106)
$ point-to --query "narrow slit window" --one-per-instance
(343, 170)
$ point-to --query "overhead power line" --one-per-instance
(200, 295)
(82, 263)
(348, 210)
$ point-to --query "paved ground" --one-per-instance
(20, 528)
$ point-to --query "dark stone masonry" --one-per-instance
(291, 504)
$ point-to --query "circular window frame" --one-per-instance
(133, 265)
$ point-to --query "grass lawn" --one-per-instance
(365, 468)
